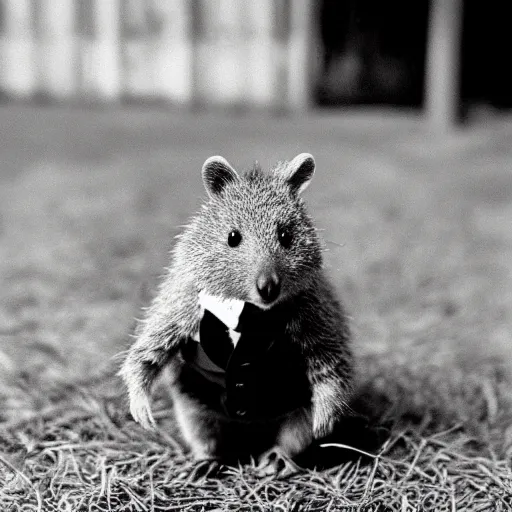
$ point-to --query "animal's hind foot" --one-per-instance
(275, 462)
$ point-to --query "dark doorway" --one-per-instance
(374, 52)
(486, 54)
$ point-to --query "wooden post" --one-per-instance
(443, 64)
(301, 39)
(18, 78)
(56, 50)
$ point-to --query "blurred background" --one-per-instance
(108, 110)
(110, 107)
(441, 56)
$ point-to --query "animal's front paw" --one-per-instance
(140, 410)
(275, 462)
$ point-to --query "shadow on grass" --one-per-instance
(362, 432)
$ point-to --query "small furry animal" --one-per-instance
(289, 378)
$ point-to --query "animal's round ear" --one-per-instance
(217, 173)
(298, 173)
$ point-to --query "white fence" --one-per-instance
(232, 52)
(217, 51)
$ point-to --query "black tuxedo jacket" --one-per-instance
(263, 376)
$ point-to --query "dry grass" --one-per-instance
(420, 232)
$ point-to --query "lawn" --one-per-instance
(419, 231)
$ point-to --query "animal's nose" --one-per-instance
(269, 286)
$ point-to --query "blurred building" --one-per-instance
(290, 54)
(376, 52)
(181, 51)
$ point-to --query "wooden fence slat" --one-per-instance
(56, 48)
(18, 76)
(137, 48)
(175, 52)
(157, 50)
(100, 52)
(299, 65)
(265, 55)
(222, 53)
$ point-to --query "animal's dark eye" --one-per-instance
(234, 238)
(285, 237)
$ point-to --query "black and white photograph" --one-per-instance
(255, 255)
